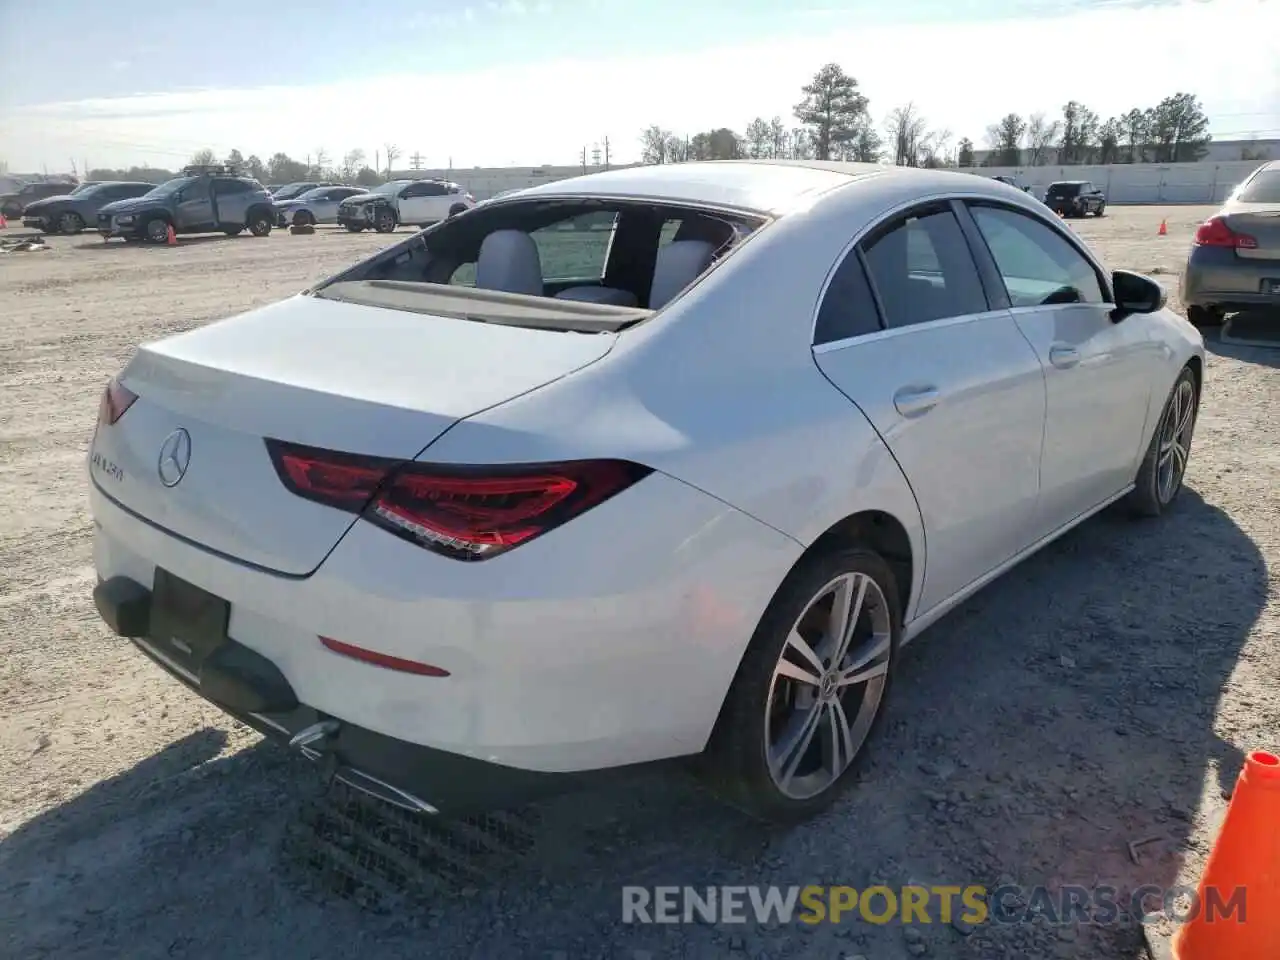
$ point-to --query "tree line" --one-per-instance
(833, 122)
(279, 168)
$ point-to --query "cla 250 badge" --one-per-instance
(103, 465)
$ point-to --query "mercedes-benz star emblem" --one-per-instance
(175, 457)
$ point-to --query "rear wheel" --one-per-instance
(810, 687)
(70, 223)
(1159, 479)
(1205, 316)
(260, 224)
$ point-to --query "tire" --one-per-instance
(156, 230)
(303, 218)
(1205, 317)
(761, 699)
(456, 209)
(260, 223)
(69, 223)
(1099, 211)
(385, 222)
(1160, 476)
(233, 231)
(354, 228)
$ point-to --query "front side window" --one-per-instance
(922, 270)
(576, 248)
(1039, 266)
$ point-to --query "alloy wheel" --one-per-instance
(1175, 440)
(827, 686)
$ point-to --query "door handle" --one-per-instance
(1064, 357)
(913, 401)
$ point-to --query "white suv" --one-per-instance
(416, 202)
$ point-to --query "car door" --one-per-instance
(325, 205)
(193, 207)
(1098, 373)
(413, 204)
(906, 331)
(231, 200)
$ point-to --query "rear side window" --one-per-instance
(848, 307)
(227, 187)
(1039, 266)
(1062, 189)
(922, 270)
(1263, 188)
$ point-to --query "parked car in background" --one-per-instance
(72, 213)
(319, 205)
(1234, 262)
(291, 191)
(202, 200)
(680, 489)
(12, 205)
(1075, 198)
(399, 202)
(1013, 182)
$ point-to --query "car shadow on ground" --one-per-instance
(116, 244)
(1061, 715)
(1250, 328)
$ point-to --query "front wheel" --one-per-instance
(1099, 211)
(70, 223)
(303, 218)
(810, 687)
(1163, 468)
(157, 230)
(386, 222)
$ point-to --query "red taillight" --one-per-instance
(116, 399)
(1214, 232)
(469, 513)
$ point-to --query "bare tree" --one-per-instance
(935, 149)
(392, 152)
(655, 145)
(203, 158)
(1042, 134)
(352, 162)
(905, 127)
(321, 161)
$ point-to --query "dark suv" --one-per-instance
(215, 199)
(1075, 198)
(13, 205)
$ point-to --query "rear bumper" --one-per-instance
(1216, 278)
(607, 643)
(252, 689)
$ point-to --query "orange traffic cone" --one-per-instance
(3, 222)
(1246, 856)
(1164, 229)
(170, 238)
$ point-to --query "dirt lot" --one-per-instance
(1101, 694)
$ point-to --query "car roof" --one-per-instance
(772, 187)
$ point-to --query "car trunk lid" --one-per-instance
(327, 374)
(1260, 221)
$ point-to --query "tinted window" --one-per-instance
(1263, 188)
(923, 271)
(1038, 264)
(848, 307)
(1063, 189)
(575, 248)
(225, 187)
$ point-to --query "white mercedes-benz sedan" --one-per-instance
(655, 463)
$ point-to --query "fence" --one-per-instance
(1138, 183)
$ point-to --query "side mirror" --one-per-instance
(1136, 293)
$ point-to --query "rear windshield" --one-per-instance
(1263, 188)
(1064, 189)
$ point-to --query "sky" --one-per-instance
(531, 82)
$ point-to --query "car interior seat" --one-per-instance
(509, 261)
(679, 264)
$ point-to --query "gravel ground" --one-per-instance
(1103, 693)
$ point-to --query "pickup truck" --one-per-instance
(416, 202)
(202, 200)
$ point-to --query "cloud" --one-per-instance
(961, 75)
